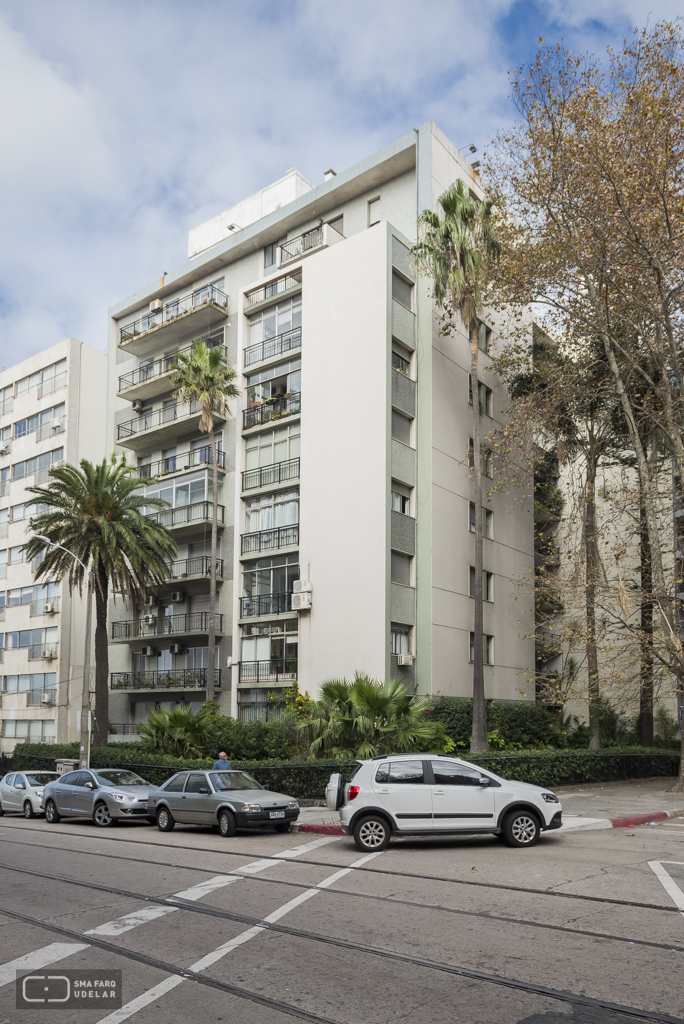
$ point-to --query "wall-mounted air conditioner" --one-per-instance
(46, 698)
(301, 602)
(150, 600)
(48, 654)
(302, 587)
(155, 304)
(4, 448)
(175, 648)
(56, 426)
(177, 597)
(148, 652)
(405, 659)
(48, 609)
(150, 620)
(137, 405)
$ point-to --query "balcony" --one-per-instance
(310, 242)
(160, 425)
(548, 644)
(196, 312)
(165, 625)
(51, 428)
(187, 519)
(44, 606)
(181, 463)
(285, 342)
(152, 379)
(265, 604)
(268, 671)
(268, 476)
(43, 652)
(270, 540)
(195, 568)
(272, 289)
(274, 409)
(44, 698)
(171, 679)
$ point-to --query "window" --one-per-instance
(31, 681)
(270, 323)
(195, 783)
(401, 359)
(186, 490)
(6, 396)
(487, 649)
(4, 516)
(401, 498)
(401, 428)
(402, 290)
(16, 555)
(272, 446)
(31, 638)
(401, 568)
(487, 584)
(208, 293)
(285, 379)
(270, 255)
(269, 511)
(271, 641)
(47, 422)
(22, 595)
(374, 211)
(407, 772)
(447, 773)
(267, 576)
(485, 396)
(486, 459)
(39, 464)
(49, 379)
(484, 335)
(35, 730)
(401, 639)
(487, 520)
(3, 564)
(176, 784)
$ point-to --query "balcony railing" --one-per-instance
(37, 697)
(297, 246)
(274, 346)
(157, 418)
(268, 540)
(273, 288)
(122, 729)
(184, 514)
(42, 475)
(43, 652)
(171, 679)
(268, 671)
(168, 312)
(51, 428)
(265, 604)
(200, 565)
(266, 476)
(52, 384)
(38, 607)
(176, 463)
(157, 368)
(273, 409)
(164, 625)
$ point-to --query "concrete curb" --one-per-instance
(644, 819)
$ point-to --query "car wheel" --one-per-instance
(51, 814)
(1, 811)
(102, 816)
(282, 826)
(227, 824)
(28, 809)
(521, 828)
(372, 834)
(165, 822)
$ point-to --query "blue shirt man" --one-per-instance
(223, 761)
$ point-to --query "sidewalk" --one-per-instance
(591, 806)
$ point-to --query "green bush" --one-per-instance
(519, 724)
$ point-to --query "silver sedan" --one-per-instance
(106, 795)
(22, 792)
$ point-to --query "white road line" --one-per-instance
(38, 958)
(130, 921)
(204, 888)
(667, 881)
(298, 850)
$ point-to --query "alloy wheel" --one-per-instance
(372, 834)
(524, 829)
(102, 815)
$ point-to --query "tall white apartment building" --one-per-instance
(51, 411)
(345, 504)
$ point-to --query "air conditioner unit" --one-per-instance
(48, 609)
(301, 602)
(46, 698)
(150, 620)
(148, 652)
(175, 648)
(302, 587)
(56, 426)
(177, 597)
(150, 600)
(137, 405)
(48, 654)
(155, 304)
(4, 448)
(405, 659)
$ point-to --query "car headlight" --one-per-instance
(120, 796)
(550, 798)
(40, 790)
(251, 807)
(293, 805)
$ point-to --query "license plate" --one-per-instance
(276, 814)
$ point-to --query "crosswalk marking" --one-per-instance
(39, 958)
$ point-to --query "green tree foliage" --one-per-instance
(179, 731)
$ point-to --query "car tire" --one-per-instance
(521, 828)
(52, 815)
(227, 824)
(372, 834)
(28, 809)
(103, 817)
(1, 811)
(165, 822)
(282, 826)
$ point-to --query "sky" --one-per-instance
(124, 123)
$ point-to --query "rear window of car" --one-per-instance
(407, 772)
(70, 779)
(176, 784)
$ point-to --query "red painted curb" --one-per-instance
(323, 830)
(638, 819)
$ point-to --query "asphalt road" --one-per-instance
(268, 929)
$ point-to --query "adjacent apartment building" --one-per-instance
(345, 502)
(51, 411)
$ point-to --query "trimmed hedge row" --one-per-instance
(308, 779)
(519, 722)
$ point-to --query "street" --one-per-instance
(274, 927)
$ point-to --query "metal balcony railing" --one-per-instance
(184, 514)
(268, 540)
(51, 428)
(273, 288)
(156, 368)
(43, 652)
(268, 671)
(285, 342)
(200, 565)
(164, 625)
(177, 678)
(171, 310)
(273, 409)
(37, 697)
(177, 463)
(157, 418)
(265, 604)
(39, 607)
(266, 476)
(295, 247)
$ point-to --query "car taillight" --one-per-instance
(353, 792)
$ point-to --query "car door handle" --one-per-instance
(183, 797)
(438, 792)
(383, 791)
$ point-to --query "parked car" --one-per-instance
(22, 792)
(106, 795)
(435, 795)
(229, 800)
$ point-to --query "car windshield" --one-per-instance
(223, 781)
(41, 778)
(119, 778)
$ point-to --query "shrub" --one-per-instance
(519, 724)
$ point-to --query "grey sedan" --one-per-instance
(229, 800)
(107, 795)
(23, 792)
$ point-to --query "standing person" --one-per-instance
(223, 761)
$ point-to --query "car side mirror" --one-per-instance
(485, 780)
(89, 785)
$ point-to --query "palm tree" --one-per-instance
(95, 513)
(203, 376)
(454, 252)
(179, 731)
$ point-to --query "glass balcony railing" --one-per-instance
(265, 604)
(266, 476)
(285, 342)
(186, 514)
(271, 410)
(164, 625)
(269, 540)
(168, 312)
(169, 679)
(156, 368)
(178, 463)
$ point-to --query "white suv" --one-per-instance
(430, 794)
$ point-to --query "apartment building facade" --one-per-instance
(345, 503)
(51, 411)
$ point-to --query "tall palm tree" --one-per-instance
(454, 251)
(202, 375)
(96, 513)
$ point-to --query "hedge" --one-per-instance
(308, 779)
(518, 722)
